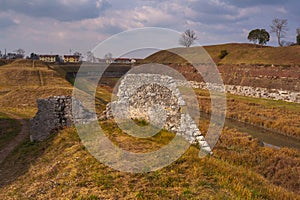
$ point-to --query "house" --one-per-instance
(49, 58)
(71, 58)
(122, 60)
(11, 56)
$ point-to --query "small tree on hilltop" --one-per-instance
(259, 35)
(188, 38)
(298, 36)
(279, 27)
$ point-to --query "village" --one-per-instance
(75, 58)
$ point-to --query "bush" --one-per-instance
(223, 54)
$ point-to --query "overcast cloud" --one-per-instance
(59, 26)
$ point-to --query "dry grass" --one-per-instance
(61, 168)
(9, 128)
(279, 116)
(21, 84)
(237, 54)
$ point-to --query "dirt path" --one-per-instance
(17, 140)
(41, 78)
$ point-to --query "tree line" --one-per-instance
(261, 36)
(279, 27)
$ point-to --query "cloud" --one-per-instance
(249, 3)
(64, 10)
(6, 21)
(59, 25)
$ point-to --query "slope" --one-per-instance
(23, 81)
(237, 54)
(62, 168)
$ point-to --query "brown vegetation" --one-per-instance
(279, 116)
(62, 168)
(237, 54)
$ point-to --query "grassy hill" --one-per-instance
(23, 81)
(245, 64)
(237, 54)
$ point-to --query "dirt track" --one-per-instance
(17, 140)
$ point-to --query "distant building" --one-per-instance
(124, 60)
(49, 58)
(11, 56)
(71, 58)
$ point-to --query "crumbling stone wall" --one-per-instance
(155, 98)
(55, 113)
(257, 92)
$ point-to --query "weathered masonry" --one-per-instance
(55, 113)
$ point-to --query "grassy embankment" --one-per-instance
(9, 128)
(237, 54)
(278, 116)
(61, 167)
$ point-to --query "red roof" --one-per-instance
(71, 56)
(48, 55)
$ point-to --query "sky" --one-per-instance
(67, 26)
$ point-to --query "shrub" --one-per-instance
(223, 53)
(298, 39)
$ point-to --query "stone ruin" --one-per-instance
(55, 113)
(156, 99)
(152, 97)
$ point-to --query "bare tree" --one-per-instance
(108, 56)
(77, 53)
(20, 53)
(90, 57)
(298, 36)
(188, 38)
(279, 27)
(298, 31)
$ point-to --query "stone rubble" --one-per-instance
(156, 99)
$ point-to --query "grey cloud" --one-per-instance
(6, 22)
(215, 13)
(247, 3)
(211, 8)
(61, 10)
